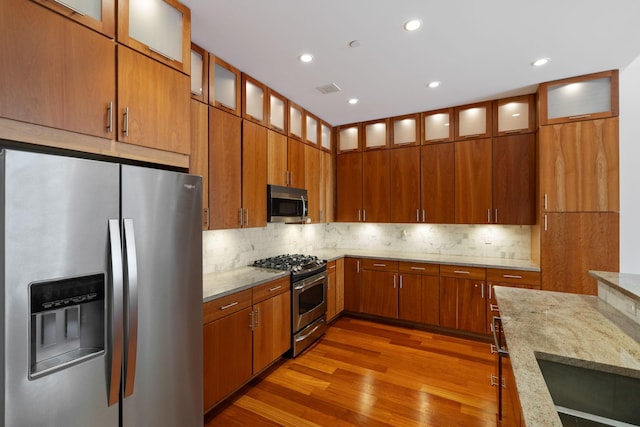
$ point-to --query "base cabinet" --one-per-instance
(335, 288)
(463, 298)
(243, 334)
(418, 293)
(352, 284)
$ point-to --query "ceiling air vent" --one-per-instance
(330, 88)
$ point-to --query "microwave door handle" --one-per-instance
(304, 208)
(116, 315)
(132, 298)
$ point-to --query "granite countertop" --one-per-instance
(575, 329)
(628, 284)
(217, 285)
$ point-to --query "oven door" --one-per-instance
(309, 300)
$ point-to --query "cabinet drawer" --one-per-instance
(331, 266)
(419, 268)
(214, 310)
(513, 276)
(270, 289)
(463, 272)
(379, 264)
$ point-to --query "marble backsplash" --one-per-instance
(228, 249)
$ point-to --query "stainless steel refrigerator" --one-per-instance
(101, 304)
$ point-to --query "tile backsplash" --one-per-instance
(228, 249)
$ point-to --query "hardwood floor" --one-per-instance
(369, 374)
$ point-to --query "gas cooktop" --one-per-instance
(297, 264)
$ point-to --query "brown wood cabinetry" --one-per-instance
(199, 74)
(573, 243)
(278, 107)
(514, 115)
(418, 293)
(404, 130)
(438, 126)
(224, 85)
(579, 166)
(349, 187)
(352, 284)
(295, 160)
(277, 171)
(405, 185)
(314, 183)
(101, 20)
(199, 159)
(473, 180)
(153, 103)
(376, 186)
(254, 100)
(473, 121)
(335, 288)
(379, 292)
(254, 175)
(55, 72)
(514, 179)
(328, 180)
(349, 138)
(512, 278)
(438, 183)
(243, 334)
(225, 177)
(462, 298)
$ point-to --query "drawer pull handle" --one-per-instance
(275, 288)
(224, 307)
(461, 272)
(332, 267)
(511, 276)
(494, 307)
(379, 265)
(582, 116)
(418, 268)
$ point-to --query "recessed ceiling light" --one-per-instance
(354, 43)
(540, 62)
(353, 101)
(306, 57)
(412, 24)
(434, 84)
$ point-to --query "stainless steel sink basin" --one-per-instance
(590, 397)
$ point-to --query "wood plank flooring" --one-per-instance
(364, 373)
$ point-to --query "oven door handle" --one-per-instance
(304, 286)
(305, 336)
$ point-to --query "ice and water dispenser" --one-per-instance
(67, 322)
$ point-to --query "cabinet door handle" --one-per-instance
(545, 223)
(490, 290)
(417, 215)
(224, 307)
(258, 317)
(423, 217)
(125, 124)
(240, 216)
(208, 216)
(358, 266)
(164, 55)
(582, 116)
(488, 216)
(110, 117)
(358, 215)
(251, 320)
(364, 215)
(494, 307)
(275, 288)
(482, 290)
(546, 201)
(401, 281)
(247, 221)
(495, 219)
(394, 281)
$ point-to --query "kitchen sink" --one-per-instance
(591, 397)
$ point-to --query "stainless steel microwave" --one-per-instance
(286, 204)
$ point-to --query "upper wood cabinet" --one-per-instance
(224, 85)
(296, 121)
(437, 185)
(579, 166)
(278, 117)
(405, 130)
(199, 159)
(312, 129)
(314, 183)
(99, 15)
(199, 74)
(375, 134)
(438, 126)
(376, 186)
(153, 103)
(349, 188)
(473, 121)
(405, 185)
(586, 97)
(254, 100)
(514, 115)
(295, 163)
(277, 171)
(55, 72)
(160, 29)
(326, 139)
(254, 175)
(349, 137)
(473, 181)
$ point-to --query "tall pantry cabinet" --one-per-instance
(579, 181)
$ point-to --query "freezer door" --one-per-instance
(163, 298)
(54, 214)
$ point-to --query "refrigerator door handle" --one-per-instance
(117, 281)
(132, 309)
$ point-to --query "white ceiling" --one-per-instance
(479, 50)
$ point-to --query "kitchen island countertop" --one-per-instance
(575, 329)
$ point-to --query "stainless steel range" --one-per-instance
(308, 296)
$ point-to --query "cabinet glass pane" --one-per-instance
(348, 139)
(295, 122)
(436, 126)
(196, 73)
(276, 112)
(225, 87)
(158, 25)
(312, 130)
(255, 101)
(513, 116)
(376, 135)
(472, 121)
(575, 99)
(92, 8)
(404, 131)
(325, 137)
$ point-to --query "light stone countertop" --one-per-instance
(628, 284)
(216, 285)
(575, 329)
